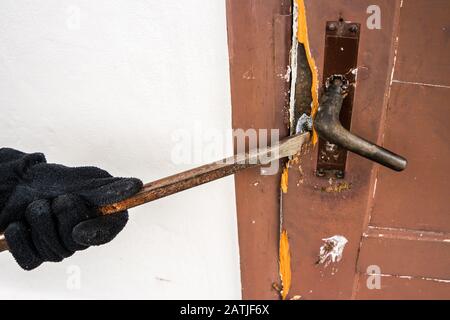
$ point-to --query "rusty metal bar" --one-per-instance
(3, 244)
(204, 174)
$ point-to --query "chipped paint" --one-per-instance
(337, 188)
(332, 250)
(248, 75)
(412, 277)
(405, 234)
(302, 36)
(287, 75)
(375, 188)
(293, 65)
(422, 84)
(285, 264)
(285, 179)
(298, 36)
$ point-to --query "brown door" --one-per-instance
(395, 226)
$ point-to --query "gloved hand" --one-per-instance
(48, 211)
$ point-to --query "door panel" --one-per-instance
(424, 42)
(408, 237)
(314, 208)
(417, 127)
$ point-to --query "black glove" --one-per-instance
(48, 211)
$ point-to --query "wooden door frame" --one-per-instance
(259, 37)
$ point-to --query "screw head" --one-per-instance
(339, 174)
(332, 26)
(330, 147)
(353, 28)
(320, 172)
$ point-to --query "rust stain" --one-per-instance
(337, 188)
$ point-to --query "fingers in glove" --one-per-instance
(8, 154)
(112, 190)
(44, 232)
(21, 246)
(98, 231)
(28, 162)
(95, 185)
(12, 155)
(69, 211)
(14, 209)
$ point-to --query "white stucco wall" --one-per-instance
(105, 83)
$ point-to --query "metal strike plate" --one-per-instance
(341, 57)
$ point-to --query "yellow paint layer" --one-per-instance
(302, 36)
(285, 264)
(285, 180)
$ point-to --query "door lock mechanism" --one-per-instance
(333, 119)
(330, 129)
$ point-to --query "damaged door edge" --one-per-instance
(304, 78)
(303, 39)
(293, 66)
(284, 255)
(304, 82)
(301, 50)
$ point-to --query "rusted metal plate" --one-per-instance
(417, 126)
(259, 36)
(316, 208)
(341, 57)
(424, 42)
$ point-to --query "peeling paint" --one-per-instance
(302, 36)
(293, 66)
(422, 84)
(405, 234)
(285, 179)
(337, 188)
(374, 188)
(285, 264)
(248, 75)
(413, 277)
(332, 250)
(287, 75)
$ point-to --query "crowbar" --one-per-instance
(203, 174)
